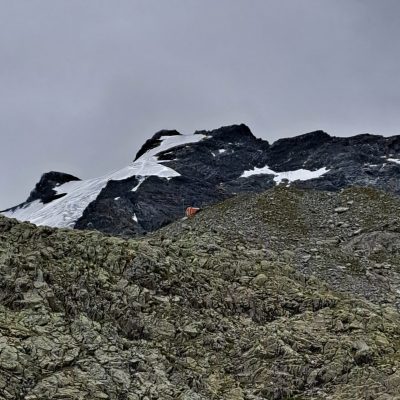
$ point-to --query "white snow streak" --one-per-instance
(395, 160)
(65, 211)
(291, 176)
(141, 180)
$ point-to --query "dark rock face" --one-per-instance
(155, 141)
(44, 189)
(211, 170)
(158, 202)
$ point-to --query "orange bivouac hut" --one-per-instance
(191, 211)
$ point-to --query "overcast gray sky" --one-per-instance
(84, 82)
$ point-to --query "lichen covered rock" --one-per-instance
(260, 297)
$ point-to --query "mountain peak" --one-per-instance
(313, 138)
(44, 189)
(231, 132)
(155, 141)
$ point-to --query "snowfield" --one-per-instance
(65, 211)
(291, 176)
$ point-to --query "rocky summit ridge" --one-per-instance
(285, 294)
(172, 171)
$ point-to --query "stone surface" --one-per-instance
(220, 306)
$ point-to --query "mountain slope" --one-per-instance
(73, 196)
(173, 171)
(215, 307)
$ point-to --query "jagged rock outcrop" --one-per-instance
(172, 171)
(155, 141)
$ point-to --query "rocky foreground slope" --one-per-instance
(288, 294)
(172, 171)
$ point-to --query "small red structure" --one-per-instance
(191, 211)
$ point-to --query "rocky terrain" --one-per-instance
(172, 171)
(285, 294)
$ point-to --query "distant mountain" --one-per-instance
(172, 171)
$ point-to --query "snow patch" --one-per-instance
(219, 151)
(291, 176)
(141, 180)
(65, 211)
(395, 160)
(135, 218)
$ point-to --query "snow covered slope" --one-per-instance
(65, 211)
